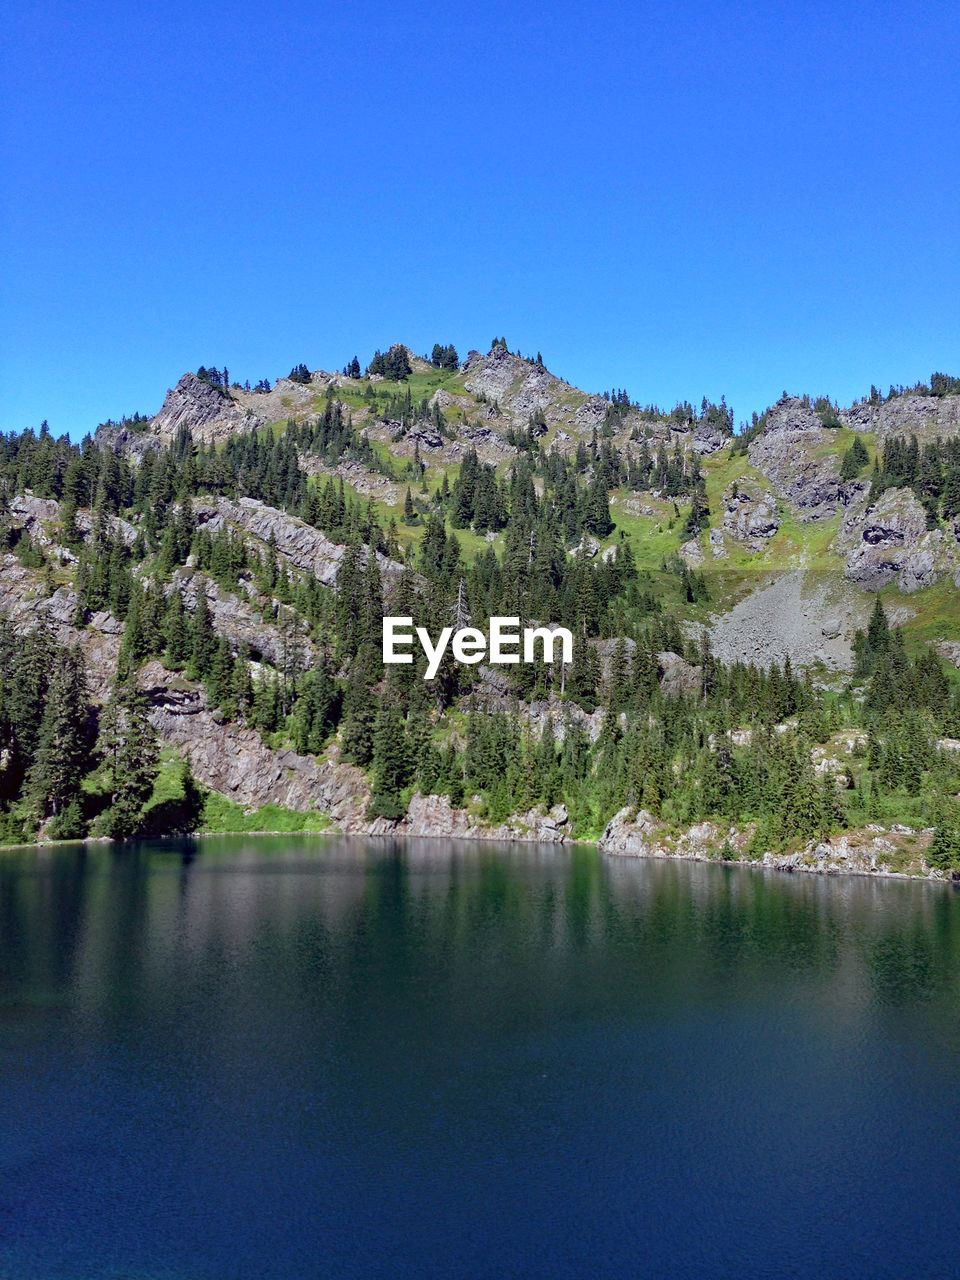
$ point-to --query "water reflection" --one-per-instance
(378, 1050)
(109, 925)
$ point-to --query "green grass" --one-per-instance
(936, 613)
(168, 786)
(223, 816)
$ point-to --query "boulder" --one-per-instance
(630, 835)
(750, 515)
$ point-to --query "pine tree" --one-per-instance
(62, 743)
(128, 745)
(393, 765)
(135, 644)
(203, 639)
(854, 460)
(360, 708)
(177, 633)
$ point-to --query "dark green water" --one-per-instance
(296, 1057)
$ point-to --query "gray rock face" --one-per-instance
(117, 526)
(891, 540)
(786, 454)
(425, 437)
(207, 413)
(489, 444)
(517, 386)
(430, 816)
(708, 439)
(131, 444)
(717, 546)
(235, 761)
(926, 417)
(692, 552)
(867, 853)
(368, 484)
(785, 619)
(750, 515)
(33, 515)
(306, 548)
(41, 519)
(677, 675)
(25, 606)
(444, 400)
(590, 415)
(632, 836)
(587, 548)
(950, 650)
(234, 617)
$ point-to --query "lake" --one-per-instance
(285, 1057)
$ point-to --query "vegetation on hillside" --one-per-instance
(735, 746)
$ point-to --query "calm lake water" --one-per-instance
(297, 1057)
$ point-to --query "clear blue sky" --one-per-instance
(680, 199)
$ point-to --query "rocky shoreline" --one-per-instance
(896, 852)
(878, 852)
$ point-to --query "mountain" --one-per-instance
(733, 673)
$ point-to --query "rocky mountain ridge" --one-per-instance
(794, 549)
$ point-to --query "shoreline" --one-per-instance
(789, 864)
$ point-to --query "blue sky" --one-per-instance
(681, 199)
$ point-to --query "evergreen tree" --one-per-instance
(127, 744)
(57, 769)
(203, 639)
(393, 765)
(177, 633)
(854, 460)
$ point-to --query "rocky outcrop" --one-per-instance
(708, 439)
(25, 604)
(209, 414)
(236, 618)
(926, 417)
(32, 514)
(873, 851)
(587, 548)
(128, 441)
(692, 552)
(717, 546)
(949, 650)
(305, 547)
(429, 816)
(492, 693)
(789, 453)
(677, 675)
(518, 388)
(368, 484)
(516, 385)
(490, 445)
(41, 518)
(237, 763)
(890, 539)
(750, 515)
